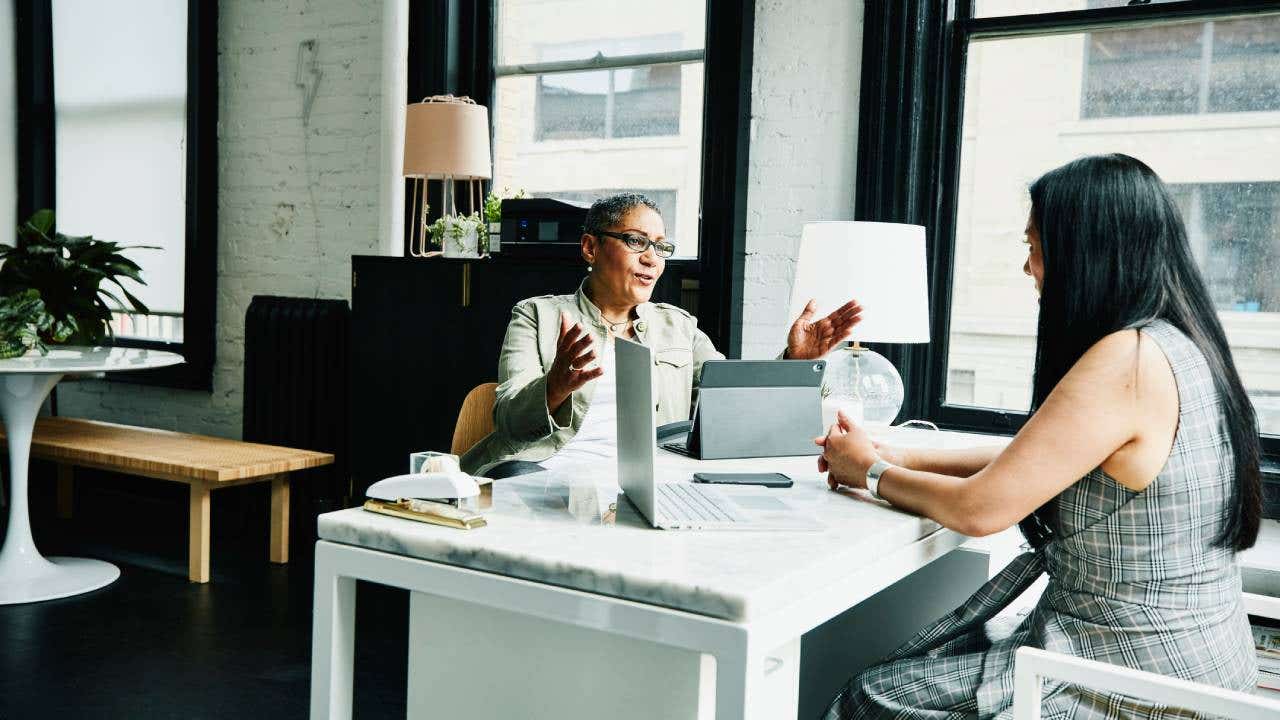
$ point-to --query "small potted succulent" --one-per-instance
(68, 275)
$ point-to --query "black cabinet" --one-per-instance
(426, 331)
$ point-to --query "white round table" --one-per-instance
(26, 575)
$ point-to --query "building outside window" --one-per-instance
(1198, 101)
(1233, 229)
(1188, 68)
(960, 385)
(615, 103)
(594, 97)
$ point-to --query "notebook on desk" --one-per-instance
(681, 505)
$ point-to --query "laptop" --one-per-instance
(755, 408)
(681, 505)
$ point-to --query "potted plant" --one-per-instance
(458, 235)
(68, 274)
(23, 320)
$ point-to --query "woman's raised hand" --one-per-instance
(808, 339)
(574, 350)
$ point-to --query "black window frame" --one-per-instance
(451, 44)
(36, 160)
(910, 136)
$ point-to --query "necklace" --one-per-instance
(616, 328)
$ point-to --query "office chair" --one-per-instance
(475, 419)
(1033, 665)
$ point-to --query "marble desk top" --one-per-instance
(562, 529)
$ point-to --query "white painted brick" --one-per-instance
(804, 115)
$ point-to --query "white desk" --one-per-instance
(737, 597)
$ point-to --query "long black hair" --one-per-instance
(1116, 256)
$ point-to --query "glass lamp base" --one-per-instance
(862, 383)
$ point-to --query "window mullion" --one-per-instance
(609, 104)
(602, 62)
(1206, 66)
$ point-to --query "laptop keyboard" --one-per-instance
(685, 502)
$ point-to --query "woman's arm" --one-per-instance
(1091, 414)
(520, 409)
(960, 462)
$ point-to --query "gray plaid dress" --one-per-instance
(1134, 580)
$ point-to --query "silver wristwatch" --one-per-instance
(873, 477)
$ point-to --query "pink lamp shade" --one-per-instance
(447, 137)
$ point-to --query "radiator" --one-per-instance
(296, 394)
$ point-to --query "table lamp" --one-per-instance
(883, 266)
(445, 138)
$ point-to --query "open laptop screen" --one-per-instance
(637, 435)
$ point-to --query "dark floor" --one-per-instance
(152, 645)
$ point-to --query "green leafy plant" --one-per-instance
(68, 274)
(493, 204)
(23, 319)
(456, 227)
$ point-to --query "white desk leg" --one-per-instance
(739, 674)
(332, 640)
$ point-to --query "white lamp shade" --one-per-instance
(447, 139)
(882, 265)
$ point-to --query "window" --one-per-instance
(614, 103)
(1017, 124)
(127, 151)
(120, 114)
(589, 97)
(1192, 88)
(1233, 229)
(1186, 68)
(592, 95)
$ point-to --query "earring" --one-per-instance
(590, 268)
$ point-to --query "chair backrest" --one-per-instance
(475, 419)
(1033, 665)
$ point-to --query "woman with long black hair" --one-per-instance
(1135, 480)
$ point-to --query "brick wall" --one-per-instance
(804, 141)
(295, 201)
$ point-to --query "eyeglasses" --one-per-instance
(640, 243)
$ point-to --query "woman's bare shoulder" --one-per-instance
(1125, 356)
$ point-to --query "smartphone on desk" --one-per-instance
(773, 480)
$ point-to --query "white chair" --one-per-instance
(1033, 665)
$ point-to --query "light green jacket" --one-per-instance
(524, 429)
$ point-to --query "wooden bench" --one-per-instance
(203, 463)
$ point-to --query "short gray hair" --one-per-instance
(608, 211)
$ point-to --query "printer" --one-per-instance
(530, 223)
